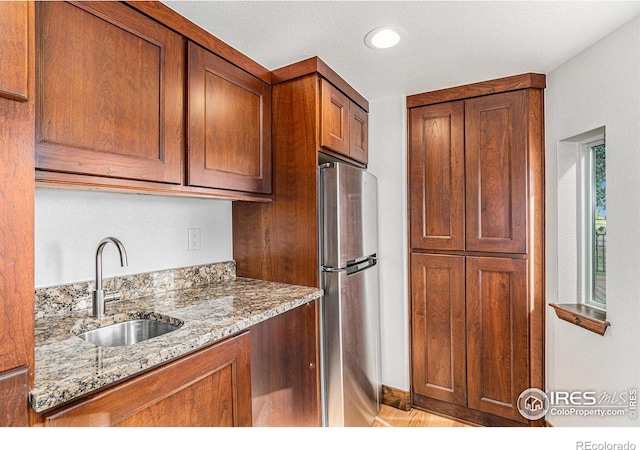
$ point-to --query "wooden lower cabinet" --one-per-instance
(497, 335)
(285, 378)
(438, 331)
(211, 387)
(268, 376)
(14, 391)
(470, 335)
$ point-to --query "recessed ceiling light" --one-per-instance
(384, 37)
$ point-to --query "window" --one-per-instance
(582, 231)
(593, 227)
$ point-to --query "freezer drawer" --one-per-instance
(352, 347)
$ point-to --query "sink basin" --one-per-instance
(127, 333)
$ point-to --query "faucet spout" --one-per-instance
(99, 296)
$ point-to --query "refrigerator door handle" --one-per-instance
(333, 269)
(372, 261)
(355, 268)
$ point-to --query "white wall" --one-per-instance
(387, 160)
(599, 87)
(70, 223)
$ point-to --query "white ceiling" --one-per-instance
(449, 42)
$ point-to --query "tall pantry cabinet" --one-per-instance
(476, 218)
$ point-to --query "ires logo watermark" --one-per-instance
(535, 404)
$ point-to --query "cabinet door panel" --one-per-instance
(211, 387)
(14, 392)
(110, 93)
(184, 408)
(496, 173)
(285, 379)
(229, 125)
(436, 176)
(14, 30)
(334, 120)
(358, 133)
(497, 335)
(438, 328)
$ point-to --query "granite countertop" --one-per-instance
(67, 367)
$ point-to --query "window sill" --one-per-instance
(584, 316)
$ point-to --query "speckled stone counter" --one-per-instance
(67, 367)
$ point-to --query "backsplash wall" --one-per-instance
(70, 223)
(67, 298)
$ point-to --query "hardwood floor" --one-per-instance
(392, 417)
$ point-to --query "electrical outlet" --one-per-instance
(194, 239)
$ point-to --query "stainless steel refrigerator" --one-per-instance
(350, 307)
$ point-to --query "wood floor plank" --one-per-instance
(392, 417)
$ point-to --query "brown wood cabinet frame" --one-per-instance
(229, 125)
(181, 25)
(90, 121)
(506, 84)
(14, 42)
(285, 369)
(17, 130)
(87, 172)
(532, 85)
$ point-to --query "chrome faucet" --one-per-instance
(99, 295)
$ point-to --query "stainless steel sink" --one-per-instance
(127, 333)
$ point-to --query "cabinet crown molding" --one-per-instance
(512, 83)
(316, 65)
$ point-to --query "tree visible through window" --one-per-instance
(599, 224)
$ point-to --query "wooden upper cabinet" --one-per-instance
(358, 133)
(110, 93)
(334, 120)
(436, 176)
(438, 326)
(468, 174)
(14, 29)
(496, 173)
(344, 126)
(229, 116)
(497, 335)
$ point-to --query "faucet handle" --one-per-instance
(98, 299)
(108, 296)
(115, 294)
